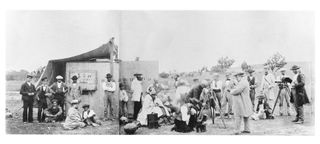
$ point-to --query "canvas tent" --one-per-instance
(58, 66)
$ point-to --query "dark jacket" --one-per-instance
(41, 93)
(195, 92)
(251, 82)
(301, 94)
(25, 89)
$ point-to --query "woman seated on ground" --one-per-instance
(89, 116)
(185, 116)
(151, 104)
(53, 113)
(74, 118)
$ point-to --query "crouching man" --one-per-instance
(89, 116)
(74, 118)
(53, 113)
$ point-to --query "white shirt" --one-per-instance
(267, 81)
(136, 87)
(59, 84)
(123, 96)
(88, 113)
(29, 83)
(109, 86)
(216, 85)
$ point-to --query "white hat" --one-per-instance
(59, 77)
(283, 69)
(74, 102)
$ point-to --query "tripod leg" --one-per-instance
(274, 106)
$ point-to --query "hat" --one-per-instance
(54, 100)
(74, 102)
(204, 82)
(85, 105)
(109, 75)
(74, 77)
(29, 76)
(295, 67)
(182, 82)
(240, 73)
(137, 74)
(151, 90)
(283, 69)
(250, 70)
(44, 78)
(59, 77)
(266, 67)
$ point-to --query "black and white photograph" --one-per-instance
(160, 72)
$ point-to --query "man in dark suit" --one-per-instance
(253, 85)
(298, 94)
(43, 93)
(27, 91)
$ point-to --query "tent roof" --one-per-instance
(57, 66)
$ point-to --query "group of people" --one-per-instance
(233, 97)
(52, 102)
(237, 96)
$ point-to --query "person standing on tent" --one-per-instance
(242, 105)
(74, 92)
(27, 91)
(109, 88)
(59, 89)
(136, 87)
(43, 93)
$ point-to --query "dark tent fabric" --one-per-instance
(58, 66)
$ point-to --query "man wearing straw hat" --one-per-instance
(242, 105)
(109, 87)
(298, 94)
(59, 89)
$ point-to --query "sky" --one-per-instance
(179, 40)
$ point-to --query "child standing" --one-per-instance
(123, 101)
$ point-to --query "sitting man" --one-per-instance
(151, 104)
(74, 118)
(184, 116)
(89, 116)
(53, 113)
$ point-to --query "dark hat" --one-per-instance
(29, 76)
(85, 105)
(240, 73)
(250, 70)
(295, 67)
(74, 77)
(44, 78)
(137, 74)
(108, 75)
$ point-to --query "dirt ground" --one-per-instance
(278, 126)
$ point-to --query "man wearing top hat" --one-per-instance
(284, 91)
(59, 89)
(253, 85)
(298, 94)
(109, 87)
(28, 91)
(242, 105)
(136, 87)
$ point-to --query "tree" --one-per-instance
(276, 62)
(225, 63)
